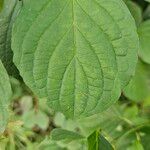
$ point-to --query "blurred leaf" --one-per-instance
(133, 137)
(109, 121)
(59, 120)
(29, 119)
(115, 122)
(32, 118)
(136, 11)
(67, 124)
(147, 1)
(5, 95)
(125, 141)
(42, 120)
(7, 16)
(139, 87)
(47, 144)
(61, 134)
(144, 35)
(44, 107)
(142, 3)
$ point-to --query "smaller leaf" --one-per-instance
(93, 141)
(61, 134)
(104, 144)
(98, 142)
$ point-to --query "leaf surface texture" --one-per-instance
(78, 54)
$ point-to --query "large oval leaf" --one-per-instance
(78, 54)
(5, 94)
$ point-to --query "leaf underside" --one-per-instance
(78, 54)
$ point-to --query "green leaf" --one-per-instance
(114, 124)
(104, 144)
(5, 95)
(137, 138)
(109, 121)
(98, 142)
(93, 141)
(75, 53)
(61, 134)
(8, 14)
(144, 35)
(136, 11)
(139, 87)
